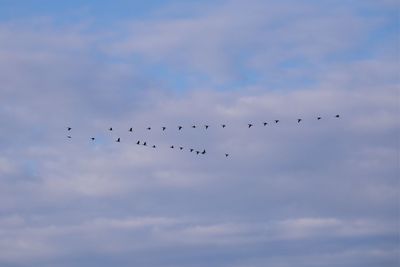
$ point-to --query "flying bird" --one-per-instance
(206, 126)
(204, 152)
(298, 120)
(118, 140)
(138, 142)
(149, 128)
(180, 128)
(130, 129)
(172, 146)
(337, 116)
(265, 123)
(191, 150)
(69, 128)
(197, 152)
(250, 125)
(318, 118)
(194, 126)
(154, 146)
(69, 136)
(110, 129)
(92, 138)
(226, 155)
(276, 121)
(145, 144)
(163, 128)
(223, 125)
(180, 148)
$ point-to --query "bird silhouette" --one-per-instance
(130, 129)
(69, 136)
(145, 144)
(92, 138)
(223, 125)
(163, 128)
(149, 128)
(180, 148)
(138, 142)
(250, 125)
(154, 146)
(110, 129)
(204, 152)
(337, 116)
(193, 126)
(191, 150)
(197, 152)
(206, 126)
(180, 128)
(276, 121)
(226, 155)
(265, 123)
(118, 140)
(318, 118)
(69, 128)
(172, 146)
(298, 120)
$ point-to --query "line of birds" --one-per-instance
(144, 143)
(208, 126)
(249, 125)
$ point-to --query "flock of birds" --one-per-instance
(179, 127)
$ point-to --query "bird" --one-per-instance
(206, 126)
(118, 140)
(154, 146)
(197, 152)
(92, 138)
(191, 150)
(69, 136)
(265, 123)
(172, 146)
(250, 125)
(130, 129)
(276, 121)
(163, 128)
(110, 129)
(223, 125)
(180, 128)
(298, 120)
(149, 128)
(69, 128)
(204, 152)
(138, 142)
(226, 155)
(180, 148)
(193, 126)
(337, 116)
(145, 144)
(318, 118)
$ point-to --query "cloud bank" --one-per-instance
(318, 193)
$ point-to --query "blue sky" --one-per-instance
(318, 193)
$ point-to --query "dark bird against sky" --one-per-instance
(249, 125)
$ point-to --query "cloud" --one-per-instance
(237, 40)
(114, 236)
(314, 193)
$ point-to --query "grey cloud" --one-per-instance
(319, 193)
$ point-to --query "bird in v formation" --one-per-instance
(206, 126)
(249, 125)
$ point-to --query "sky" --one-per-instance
(316, 193)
